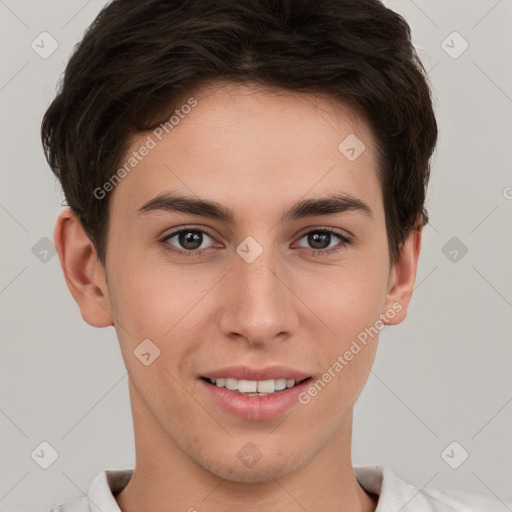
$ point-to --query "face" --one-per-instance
(241, 293)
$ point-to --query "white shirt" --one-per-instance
(395, 495)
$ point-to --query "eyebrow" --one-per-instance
(171, 202)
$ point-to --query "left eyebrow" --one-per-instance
(338, 203)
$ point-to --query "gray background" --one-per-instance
(442, 376)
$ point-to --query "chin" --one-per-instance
(265, 470)
(265, 473)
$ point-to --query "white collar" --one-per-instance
(394, 493)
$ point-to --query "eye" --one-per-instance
(321, 241)
(193, 241)
(188, 241)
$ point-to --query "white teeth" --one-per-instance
(280, 384)
(247, 386)
(253, 387)
(231, 384)
(266, 386)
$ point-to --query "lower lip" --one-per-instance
(255, 408)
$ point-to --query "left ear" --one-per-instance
(402, 278)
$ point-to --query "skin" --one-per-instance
(256, 153)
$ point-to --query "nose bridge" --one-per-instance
(259, 303)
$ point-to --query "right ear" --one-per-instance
(83, 271)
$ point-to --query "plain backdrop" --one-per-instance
(441, 387)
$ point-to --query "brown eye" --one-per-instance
(188, 241)
(324, 241)
(319, 240)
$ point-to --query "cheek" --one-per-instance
(350, 314)
(347, 304)
(347, 298)
(161, 303)
(146, 294)
(346, 336)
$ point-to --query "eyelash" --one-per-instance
(344, 241)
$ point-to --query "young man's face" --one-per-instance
(256, 292)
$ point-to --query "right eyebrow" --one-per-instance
(175, 203)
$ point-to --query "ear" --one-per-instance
(83, 271)
(402, 278)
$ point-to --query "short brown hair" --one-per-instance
(139, 56)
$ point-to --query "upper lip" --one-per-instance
(248, 373)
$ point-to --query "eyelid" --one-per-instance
(177, 230)
(336, 231)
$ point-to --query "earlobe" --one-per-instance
(83, 272)
(402, 278)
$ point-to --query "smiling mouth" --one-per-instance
(254, 387)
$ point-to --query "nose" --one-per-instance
(258, 304)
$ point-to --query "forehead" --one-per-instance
(241, 142)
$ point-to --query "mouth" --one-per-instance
(254, 387)
(255, 394)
